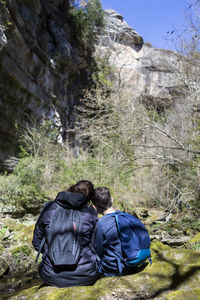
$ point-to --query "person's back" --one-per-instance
(85, 272)
(122, 242)
(108, 245)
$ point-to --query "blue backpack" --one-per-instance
(134, 237)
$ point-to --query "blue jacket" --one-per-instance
(108, 246)
(86, 272)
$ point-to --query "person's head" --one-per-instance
(84, 187)
(102, 199)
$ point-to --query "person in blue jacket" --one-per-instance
(108, 244)
(115, 230)
(86, 271)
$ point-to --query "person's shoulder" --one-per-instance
(105, 218)
(107, 223)
(51, 205)
(90, 210)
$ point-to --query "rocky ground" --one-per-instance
(174, 274)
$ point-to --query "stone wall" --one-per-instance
(41, 68)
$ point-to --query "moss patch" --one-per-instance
(184, 295)
(25, 234)
(196, 239)
(172, 270)
(157, 246)
(11, 224)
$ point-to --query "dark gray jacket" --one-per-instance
(86, 272)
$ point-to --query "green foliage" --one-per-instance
(122, 145)
(87, 22)
(195, 246)
(26, 250)
(22, 249)
(22, 189)
(20, 253)
(78, 18)
(103, 76)
(3, 230)
(95, 16)
(46, 168)
(28, 170)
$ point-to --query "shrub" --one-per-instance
(22, 188)
(87, 22)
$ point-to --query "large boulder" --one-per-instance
(119, 31)
(16, 245)
(172, 270)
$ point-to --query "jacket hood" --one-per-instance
(70, 200)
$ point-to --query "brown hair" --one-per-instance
(84, 187)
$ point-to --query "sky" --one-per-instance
(152, 19)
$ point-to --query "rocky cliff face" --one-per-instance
(41, 68)
(155, 76)
(120, 32)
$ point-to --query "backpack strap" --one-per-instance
(119, 257)
(119, 262)
(117, 222)
(40, 249)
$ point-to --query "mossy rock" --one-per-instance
(13, 211)
(157, 246)
(184, 295)
(25, 234)
(11, 224)
(180, 256)
(172, 269)
(196, 239)
(154, 215)
(186, 264)
(3, 266)
(17, 248)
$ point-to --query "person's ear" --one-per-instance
(112, 200)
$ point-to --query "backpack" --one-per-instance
(134, 237)
(64, 238)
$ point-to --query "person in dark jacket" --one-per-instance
(86, 271)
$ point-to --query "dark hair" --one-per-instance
(102, 198)
(84, 187)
